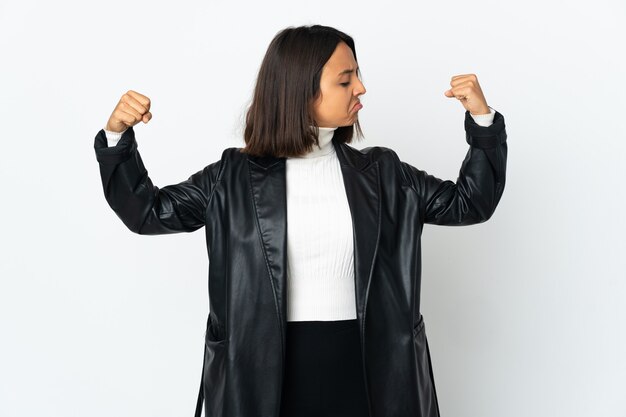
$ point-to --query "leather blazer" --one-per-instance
(240, 200)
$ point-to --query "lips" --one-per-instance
(357, 105)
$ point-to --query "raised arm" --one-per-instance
(143, 207)
(479, 186)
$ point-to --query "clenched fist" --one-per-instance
(131, 109)
(466, 89)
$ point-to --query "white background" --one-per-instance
(524, 313)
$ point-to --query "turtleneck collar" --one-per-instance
(325, 143)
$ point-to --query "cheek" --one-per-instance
(342, 101)
(336, 102)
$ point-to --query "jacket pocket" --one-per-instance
(427, 394)
(419, 326)
(214, 375)
(213, 334)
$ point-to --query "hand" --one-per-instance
(130, 110)
(466, 89)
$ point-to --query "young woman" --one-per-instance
(314, 245)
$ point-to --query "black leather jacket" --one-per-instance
(241, 202)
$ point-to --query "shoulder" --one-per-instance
(381, 154)
(373, 152)
(216, 169)
(386, 158)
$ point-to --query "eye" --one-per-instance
(345, 84)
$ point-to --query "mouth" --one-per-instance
(357, 106)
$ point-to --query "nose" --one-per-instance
(360, 90)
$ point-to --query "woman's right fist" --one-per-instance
(131, 109)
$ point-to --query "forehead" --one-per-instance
(341, 59)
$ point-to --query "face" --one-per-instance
(340, 90)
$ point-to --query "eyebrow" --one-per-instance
(347, 71)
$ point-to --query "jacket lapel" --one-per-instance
(268, 188)
(362, 184)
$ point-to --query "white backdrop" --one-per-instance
(524, 313)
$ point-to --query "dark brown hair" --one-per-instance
(279, 119)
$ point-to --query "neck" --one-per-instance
(325, 143)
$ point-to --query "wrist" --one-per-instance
(481, 112)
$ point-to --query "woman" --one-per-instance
(321, 318)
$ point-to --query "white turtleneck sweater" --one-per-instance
(320, 261)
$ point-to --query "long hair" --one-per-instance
(279, 120)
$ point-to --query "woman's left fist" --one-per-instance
(466, 89)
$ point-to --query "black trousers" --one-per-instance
(324, 370)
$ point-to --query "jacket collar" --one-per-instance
(362, 183)
(348, 156)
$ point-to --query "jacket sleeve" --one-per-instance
(479, 186)
(144, 208)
